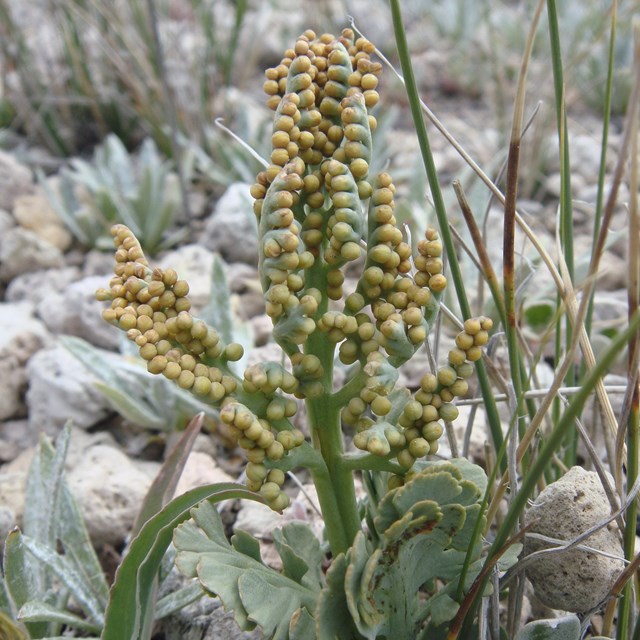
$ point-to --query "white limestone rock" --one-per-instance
(194, 264)
(35, 285)
(22, 251)
(15, 179)
(200, 469)
(60, 389)
(76, 312)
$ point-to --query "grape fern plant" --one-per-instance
(402, 561)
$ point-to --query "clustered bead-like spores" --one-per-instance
(318, 210)
(152, 307)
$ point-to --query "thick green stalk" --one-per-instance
(336, 491)
(441, 213)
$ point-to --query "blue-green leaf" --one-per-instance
(254, 592)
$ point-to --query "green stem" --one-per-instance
(606, 118)
(336, 489)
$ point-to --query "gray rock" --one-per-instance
(21, 335)
(573, 580)
(59, 390)
(6, 221)
(231, 230)
(15, 180)
(22, 251)
(109, 489)
(95, 263)
(18, 433)
(194, 264)
(76, 312)
(205, 619)
(36, 285)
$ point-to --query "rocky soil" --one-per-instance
(47, 286)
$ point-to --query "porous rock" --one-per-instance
(59, 390)
(109, 489)
(76, 312)
(35, 285)
(21, 335)
(22, 251)
(13, 475)
(573, 580)
(231, 230)
(15, 179)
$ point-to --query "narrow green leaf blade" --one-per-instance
(179, 599)
(131, 594)
(36, 611)
(69, 577)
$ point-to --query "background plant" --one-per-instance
(142, 192)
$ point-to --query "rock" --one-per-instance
(6, 222)
(231, 230)
(76, 312)
(573, 580)
(200, 469)
(21, 335)
(15, 180)
(34, 212)
(18, 433)
(478, 437)
(14, 474)
(22, 251)
(60, 389)
(194, 264)
(36, 285)
(13, 478)
(204, 619)
(95, 263)
(258, 519)
(7, 522)
(109, 490)
(262, 326)
(553, 182)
